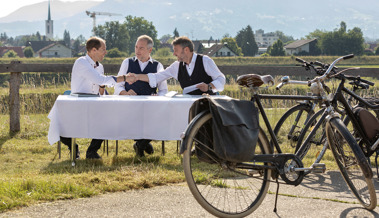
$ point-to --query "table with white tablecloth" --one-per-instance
(116, 117)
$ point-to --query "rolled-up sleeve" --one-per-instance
(212, 70)
(162, 86)
(119, 87)
(171, 71)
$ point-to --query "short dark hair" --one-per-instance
(183, 41)
(94, 42)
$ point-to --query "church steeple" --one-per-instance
(48, 15)
(49, 25)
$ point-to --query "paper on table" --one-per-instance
(171, 94)
(189, 89)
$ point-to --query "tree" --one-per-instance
(232, 44)
(137, 26)
(38, 35)
(163, 52)
(277, 49)
(377, 51)
(342, 42)
(10, 54)
(28, 52)
(115, 53)
(283, 37)
(246, 40)
(176, 33)
(115, 35)
(67, 38)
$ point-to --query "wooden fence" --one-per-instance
(15, 68)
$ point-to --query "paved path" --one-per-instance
(315, 197)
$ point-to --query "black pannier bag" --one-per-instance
(368, 121)
(234, 130)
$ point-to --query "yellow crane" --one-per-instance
(93, 14)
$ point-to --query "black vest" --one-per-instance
(140, 87)
(198, 75)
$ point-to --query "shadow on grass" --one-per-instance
(117, 162)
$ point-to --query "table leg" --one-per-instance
(73, 152)
(163, 149)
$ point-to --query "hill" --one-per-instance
(201, 19)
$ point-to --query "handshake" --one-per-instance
(130, 78)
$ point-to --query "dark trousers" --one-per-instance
(93, 147)
(142, 143)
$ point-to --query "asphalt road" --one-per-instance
(320, 195)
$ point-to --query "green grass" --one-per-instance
(30, 171)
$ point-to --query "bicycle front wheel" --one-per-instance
(222, 189)
(352, 163)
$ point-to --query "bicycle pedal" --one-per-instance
(318, 168)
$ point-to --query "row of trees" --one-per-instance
(339, 41)
(121, 37)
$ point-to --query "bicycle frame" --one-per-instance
(257, 98)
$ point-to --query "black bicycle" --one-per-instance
(235, 189)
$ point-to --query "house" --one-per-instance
(306, 46)
(55, 50)
(18, 49)
(219, 50)
(265, 39)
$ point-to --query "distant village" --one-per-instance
(47, 47)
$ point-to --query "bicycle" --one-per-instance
(236, 189)
(292, 122)
(313, 135)
(318, 137)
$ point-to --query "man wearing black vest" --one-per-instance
(141, 64)
(191, 70)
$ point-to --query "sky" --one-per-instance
(12, 5)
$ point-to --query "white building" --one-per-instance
(54, 50)
(265, 39)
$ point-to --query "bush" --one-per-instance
(115, 53)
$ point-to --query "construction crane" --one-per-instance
(93, 14)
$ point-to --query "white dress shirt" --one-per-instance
(87, 76)
(162, 85)
(172, 71)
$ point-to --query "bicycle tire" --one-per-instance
(288, 128)
(352, 163)
(222, 191)
(311, 137)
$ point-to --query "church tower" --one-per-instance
(49, 25)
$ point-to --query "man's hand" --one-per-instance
(203, 87)
(131, 78)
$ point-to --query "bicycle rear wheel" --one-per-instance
(290, 125)
(221, 188)
(352, 163)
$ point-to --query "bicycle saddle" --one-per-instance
(254, 80)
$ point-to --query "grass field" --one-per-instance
(30, 171)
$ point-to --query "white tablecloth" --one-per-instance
(117, 117)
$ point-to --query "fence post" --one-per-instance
(14, 100)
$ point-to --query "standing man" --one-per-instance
(191, 69)
(88, 77)
(141, 64)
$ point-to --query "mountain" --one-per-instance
(201, 19)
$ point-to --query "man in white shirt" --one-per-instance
(191, 70)
(88, 77)
(142, 63)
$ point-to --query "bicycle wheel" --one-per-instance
(312, 143)
(221, 188)
(351, 162)
(290, 125)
